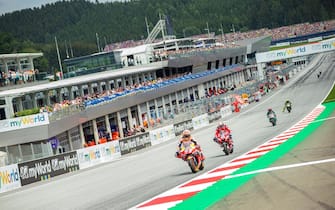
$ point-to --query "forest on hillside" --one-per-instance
(79, 21)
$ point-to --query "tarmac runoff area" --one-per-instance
(299, 174)
(304, 178)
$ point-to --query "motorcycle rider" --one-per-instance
(185, 142)
(287, 103)
(223, 129)
(271, 113)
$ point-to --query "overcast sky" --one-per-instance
(14, 5)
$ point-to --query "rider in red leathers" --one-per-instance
(223, 129)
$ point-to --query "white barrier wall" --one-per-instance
(200, 121)
(9, 178)
(226, 111)
(163, 134)
(98, 154)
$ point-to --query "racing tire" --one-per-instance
(225, 148)
(192, 164)
(232, 150)
(202, 166)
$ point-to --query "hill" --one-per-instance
(79, 21)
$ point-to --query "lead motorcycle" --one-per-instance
(226, 142)
(192, 155)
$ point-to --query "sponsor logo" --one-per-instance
(24, 122)
(28, 120)
(8, 177)
(37, 170)
(291, 51)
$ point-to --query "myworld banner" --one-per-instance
(24, 122)
(45, 168)
(9, 178)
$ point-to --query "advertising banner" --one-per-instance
(226, 111)
(45, 168)
(134, 143)
(212, 116)
(200, 121)
(9, 178)
(179, 127)
(97, 154)
(163, 134)
(24, 122)
(320, 47)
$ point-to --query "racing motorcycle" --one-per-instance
(192, 155)
(289, 108)
(272, 119)
(226, 142)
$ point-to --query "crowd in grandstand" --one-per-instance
(282, 32)
(15, 77)
(79, 101)
(232, 37)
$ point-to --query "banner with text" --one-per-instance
(180, 127)
(226, 111)
(24, 122)
(160, 135)
(97, 154)
(200, 121)
(45, 168)
(320, 47)
(134, 143)
(212, 116)
(9, 178)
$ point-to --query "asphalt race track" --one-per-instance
(306, 179)
(142, 175)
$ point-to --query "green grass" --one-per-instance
(331, 96)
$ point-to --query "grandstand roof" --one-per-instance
(19, 55)
(82, 79)
(134, 50)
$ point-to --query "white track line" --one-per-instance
(281, 168)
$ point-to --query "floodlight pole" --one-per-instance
(59, 60)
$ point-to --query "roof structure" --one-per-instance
(85, 79)
(19, 56)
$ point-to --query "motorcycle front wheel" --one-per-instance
(225, 148)
(193, 164)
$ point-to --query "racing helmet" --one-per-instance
(186, 134)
